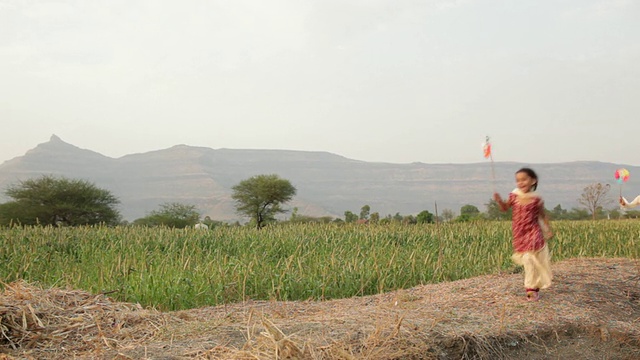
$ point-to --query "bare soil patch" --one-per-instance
(592, 311)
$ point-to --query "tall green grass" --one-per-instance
(174, 269)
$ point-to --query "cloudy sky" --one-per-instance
(377, 80)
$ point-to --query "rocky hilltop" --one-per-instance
(327, 184)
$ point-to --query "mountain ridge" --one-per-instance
(328, 184)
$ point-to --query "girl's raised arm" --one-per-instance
(628, 205)
(504, 206)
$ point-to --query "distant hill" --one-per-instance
(327, 184)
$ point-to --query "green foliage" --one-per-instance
(173, 269)
(305, 219)
(558, 213)
(213, 223)
(260, 197)
(424, 217)
(350, 217)
(173, 215)
(578, 214)
(469, 210)
(364, 212)
(495, 213)
(632, 214)
(409, 219)
(469, 213)
(50, 200)
(465, 218)
(615, 214)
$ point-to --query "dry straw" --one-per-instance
(591, 311)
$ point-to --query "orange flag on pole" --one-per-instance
(486, 147)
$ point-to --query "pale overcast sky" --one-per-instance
(377, 80)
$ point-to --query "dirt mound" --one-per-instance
(592, 311)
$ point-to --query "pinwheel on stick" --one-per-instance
(621, 175)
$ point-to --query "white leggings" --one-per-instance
(537, 267)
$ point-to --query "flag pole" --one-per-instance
(493, 175)
(488, 153)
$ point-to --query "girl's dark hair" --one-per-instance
(532, 174)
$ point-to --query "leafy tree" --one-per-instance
(294, 214)
(364, 212)
(375, 217)
(495, 213)
(409, 219)
(558, 213)
(468, 212)
(350, 217)
(50, 200)
(615, 213)
(260, 196)
(594, 197)
(424, 217)
(172, 214)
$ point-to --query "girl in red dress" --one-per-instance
(530, 226)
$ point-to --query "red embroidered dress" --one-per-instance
(527, 233)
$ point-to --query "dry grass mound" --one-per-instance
(55, 322)
(592, 311)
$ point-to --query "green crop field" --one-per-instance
(173, 269)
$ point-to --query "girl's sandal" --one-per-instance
(533, 295)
